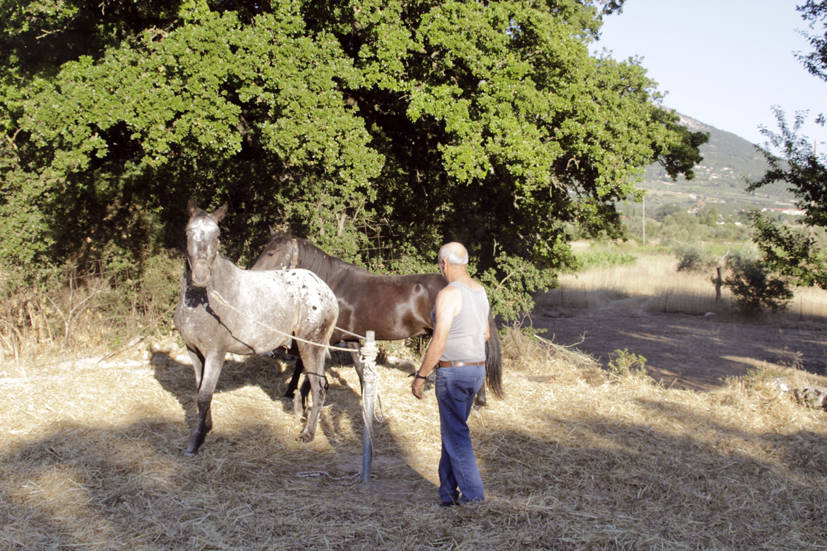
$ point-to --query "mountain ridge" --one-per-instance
(721, 178)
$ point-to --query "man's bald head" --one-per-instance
(454, 253)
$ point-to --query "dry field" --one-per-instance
(690, 340)
(573, 458)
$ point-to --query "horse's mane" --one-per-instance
(316, 260)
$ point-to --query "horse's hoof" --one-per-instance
(306, 437)
(190, 453)
(290, 395)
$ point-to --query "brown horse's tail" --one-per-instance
(494, 360)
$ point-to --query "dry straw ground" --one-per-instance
(672, 319)
(574, 458)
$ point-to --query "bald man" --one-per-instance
(457, 352)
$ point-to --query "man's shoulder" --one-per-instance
(470, 284)
(450, 291)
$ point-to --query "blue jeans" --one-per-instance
(458, 471)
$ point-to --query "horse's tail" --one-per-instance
(494, 360)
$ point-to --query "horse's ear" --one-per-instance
(272, 232)
(192, 207)
(219, 214)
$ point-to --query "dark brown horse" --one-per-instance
(394, 307)
(226, 309)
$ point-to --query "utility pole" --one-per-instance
(644, 220)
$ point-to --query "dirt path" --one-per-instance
(691, 352)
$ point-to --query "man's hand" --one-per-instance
(416, 387)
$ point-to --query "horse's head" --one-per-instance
(280, 253)
(202, 241)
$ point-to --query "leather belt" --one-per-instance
(459, 364)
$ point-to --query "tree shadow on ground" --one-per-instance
(613, 484)
(597, 481)
(688, 352)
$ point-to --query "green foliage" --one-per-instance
(417, 123)
(603, 259)
(785, 251)
(509, 289)
(627, 364)
(673, 226)
(667, 210)
(709, 216)
(799, 166)
(790, 253)
(693, 257)
(794, 161)
(681, 154)
(754, 287)
(815, 62)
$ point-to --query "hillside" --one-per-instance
(719, 179)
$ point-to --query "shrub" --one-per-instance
(693, 257)
(754, 287)
(510, 290)
(627, 364)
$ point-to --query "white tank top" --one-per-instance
(466, 340)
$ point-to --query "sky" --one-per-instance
(725, 63)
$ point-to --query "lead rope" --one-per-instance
(369, 352)
(353, 478)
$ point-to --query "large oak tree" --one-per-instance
(353, 121)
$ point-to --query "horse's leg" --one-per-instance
(197, 365)
(479, 401)
(356, 355)
(299, 398)
(212, 369)
(294, 382)
(314, 368)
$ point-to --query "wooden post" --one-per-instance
(719, 280)
(369, 353)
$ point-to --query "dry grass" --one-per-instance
(654, 282)
(90, 307)
(572, 459)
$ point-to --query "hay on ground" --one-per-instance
(91, 458)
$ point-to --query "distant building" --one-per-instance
(697, 208)
(789, 211)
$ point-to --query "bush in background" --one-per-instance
(693, 257)
(754, 286)
(94, 304)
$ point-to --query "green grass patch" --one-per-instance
(589, 260)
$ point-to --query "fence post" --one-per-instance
(369, 353)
